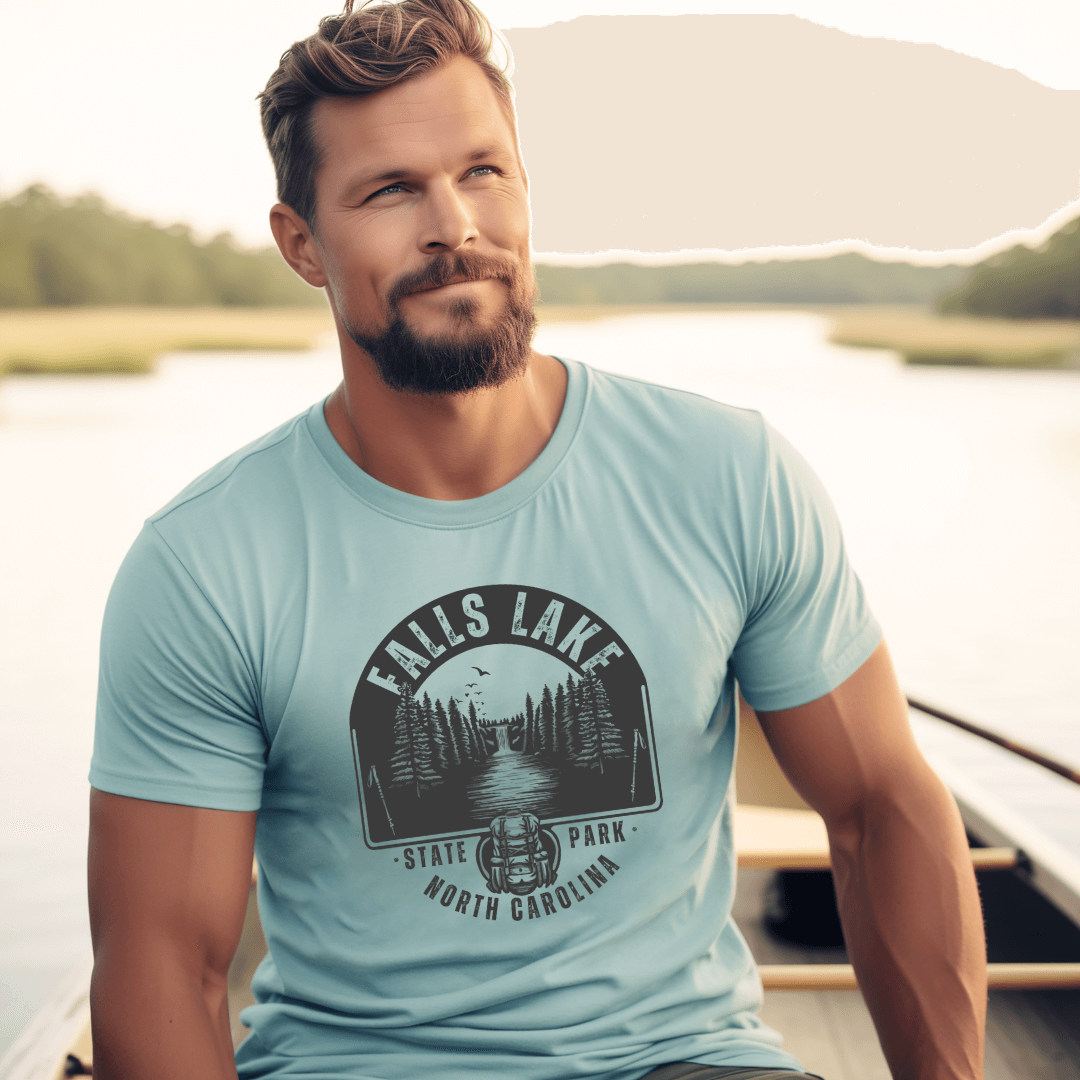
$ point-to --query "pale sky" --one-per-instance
(151, 103)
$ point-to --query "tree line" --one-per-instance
(574, 723)
(1021, 283)
(433, 740)
(63, 252)
(850, 278)
(81, 251)
(1024, 282)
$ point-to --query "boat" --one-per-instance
(785, 907)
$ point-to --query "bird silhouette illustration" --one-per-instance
(479, 671)
(472, 684)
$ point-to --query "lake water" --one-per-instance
(959, 491)
(535, 784)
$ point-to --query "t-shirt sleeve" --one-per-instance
(808, 625)
(177, 712)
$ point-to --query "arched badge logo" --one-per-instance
(496, 706)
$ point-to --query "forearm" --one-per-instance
(168, 887)
(913, 926)
(158, 1015)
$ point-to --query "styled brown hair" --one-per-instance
(360, 52)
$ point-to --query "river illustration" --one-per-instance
(513, 781)
(503, 728)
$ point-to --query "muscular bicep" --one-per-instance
(169, 877)
(849, 745)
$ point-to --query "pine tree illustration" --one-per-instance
(473, 726)
(484, 749)
(453, 752)
(600, 739)
(461, 735)
(530, 729)
(546, 719)
(570, 720)
(410, 765)
(440, 758)
(559, 726)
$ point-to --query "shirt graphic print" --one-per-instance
(483, 719)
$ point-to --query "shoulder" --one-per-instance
(245, 516)
(685, 428)
(267, 469)
(638, 396)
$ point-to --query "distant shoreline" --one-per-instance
(127, 340)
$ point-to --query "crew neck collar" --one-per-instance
(458, 513)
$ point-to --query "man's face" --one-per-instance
(422, 223)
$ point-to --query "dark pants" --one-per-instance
(687, 1070)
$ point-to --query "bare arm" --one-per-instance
(168, 889)
(906, 889)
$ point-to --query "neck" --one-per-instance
(458, 446)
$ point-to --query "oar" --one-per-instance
(999, 740)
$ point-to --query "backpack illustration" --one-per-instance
(518, 856)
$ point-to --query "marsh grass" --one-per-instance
(921, 337)
(124, 341)
(129, 340)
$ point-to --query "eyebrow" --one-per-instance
(483, 152)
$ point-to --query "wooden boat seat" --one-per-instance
(784, 838)
(1050, 976)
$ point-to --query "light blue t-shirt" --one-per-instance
(490, 741)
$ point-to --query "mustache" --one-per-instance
(443, 269)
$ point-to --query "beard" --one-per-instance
(474, 357)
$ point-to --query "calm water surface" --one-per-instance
(535, 784)
(959, 491)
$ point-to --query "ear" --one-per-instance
(297, 245)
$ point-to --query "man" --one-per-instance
(456, 651)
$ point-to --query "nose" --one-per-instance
(449, 222)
